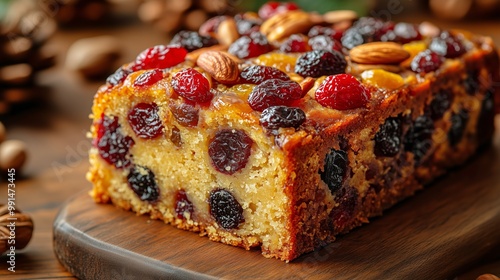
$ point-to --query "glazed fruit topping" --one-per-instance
(185, 114)
(192, 40)
(159, 56)
(342, 92)
(320, 63)
(426, 61)
(324, 42)
(111, 144)
(119, 76)
(274, 92)
(145, 121)
(257, 74)
(418, 139)
(388, 139)
(142, 181)
(229, 150)
(447, 45)
(295, 43)
(458, 124)
(225, 209)
(192, 85)
(183, 206)
(347, 200)
(148, 78)
(441, 102)
(334, 170)
(270, 9)
(249, 46)
(275, 117)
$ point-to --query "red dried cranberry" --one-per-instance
(225, 209)
(229, 150)
(119, 76)
(111, 144)
(185, 114)
(334, 170)
(247, 26)
(191, 40)
(270, 9)
(447, 45)
(159, 56)
(320, 63)
(250, 46)
(192, 85)
(418, 139)
(274, 92)
(257, 74)
(402, 32)
(145, 121)
(295, 43)
(347, 200)
(426, 61)
(342, 92)
(323, 42)
(458, 124)
(323, 30)
(149, 78)
(275, 117)
(210, 26)
(183, 206)
(142, 181)
(388, 139)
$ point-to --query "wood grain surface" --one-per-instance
(424, 237)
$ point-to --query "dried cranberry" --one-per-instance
(485, 122)
(323, 30)
(191, 40)
(342, 92)
(334, 170)
(457, 129)
(192, 85)
(247, 26)
(250, 46)
(402, 32)
(270, 9)
(295, 43)
(111, 144)
(142, 181)
(388, 138)
(323, 42)
(225, 209)
(119, 76)
(210, 26)
(185, 114)
(273, 93)
(320, 63)
(159, 56)
(440, 103)
(275, 117)
(447, 45)
(426, 61)
(148, 78)
(257, 74)
(229, 150)
(183, 206)
(145, 121)
(418, 139)
(347, 200)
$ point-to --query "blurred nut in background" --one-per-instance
(459, 9)
(24, 229)
(12, 154)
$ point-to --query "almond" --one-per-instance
(339, 16)
(227, 32)
(219, 65)
(379, 53)
(193, 56)
(283, 25)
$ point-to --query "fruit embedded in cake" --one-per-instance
(284, 129)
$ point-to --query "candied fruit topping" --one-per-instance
(257, 74)
(447, 45)
(440, 103)
(148, 78)
(282, 61)
(225, 209)
(145, 121)
(388, 139)
(272, 8)
(159, 56)
(142, 181)
(324, 42)
(111, 144)
(185, 114)
(119, 76)
(457, 129)
(342, 92)
(382, 79)
(192, 40)
(275, 117)
(273, 93)
(334, 170)
(229, 150)
(183, 206)
(426, 61)
(418, 139)
(320, 63)
(250, 46)
(295, 43)
(192, 85)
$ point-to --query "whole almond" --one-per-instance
(283, 25)
(219, 65)
(339, 16)
(12, 154)
(227, 32)
(379, 53)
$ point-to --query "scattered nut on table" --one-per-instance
(12, 154)
(23, 230)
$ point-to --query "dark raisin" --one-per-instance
(324, 42)
(111, 144)
(440, 103)
(320, 63)
(185, 114)
(388, 139)
(274, 93)
(142, 181)
(225, 209)
(119, 76)
(418, 139)
(145, 121)
(426, 61)
(175, 136)
(257, 74)
(247, 26)
(334, 170)
(447, 45)
(347, 200)
(471, 82)
(485, 123)
(402, 32)
(365, 30)
(250, 46)
(229, 150)
(183, 206)
(282, 116)
(191, 40)
(324, 30)
(458, 124)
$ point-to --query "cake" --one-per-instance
(284, 129)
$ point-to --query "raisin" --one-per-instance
(295, 43)
(275, 117)
(225, 209)
(175, 136)
(457, 129)
(418, 139)
(148, 78)
(273, 93)
(142, 181)
(159, 56)
(471, 82)
(402, 32)
(192, 85)
(247, 26)
(185, 114)
(119, 76)
(334, 170)
(365, 30)
(191, 40)
(320, 63)
(183, 206)
(485, 123)
(250, 46)
(324, 30)
(426, 61)
(257, 74)
(347, 200)
(447, 45)
(388, 138)
(111, 144)
(441, 102)
(342, 92)
(145, 121)
(323, 42)
(229, 150)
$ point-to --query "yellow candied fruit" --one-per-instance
(383, 79)
(284, 62)
(413, 48)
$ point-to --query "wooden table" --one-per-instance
(54, 131)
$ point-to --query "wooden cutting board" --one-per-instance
(434, 235)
